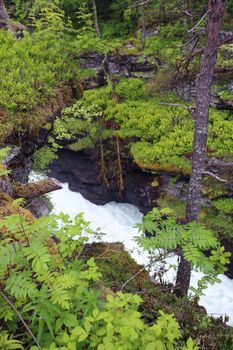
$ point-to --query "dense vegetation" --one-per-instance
(52, 293)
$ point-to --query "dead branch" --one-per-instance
(225, 38)
(136, 274)
(214, 176)
(120, 172)
(102, 174)
(218, 164)
(190, 109)
(141, 3)
(200, 21)
(188, 42)
(21, 319)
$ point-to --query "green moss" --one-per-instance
(213, 188)
(169, 201)
(155, 182)
(224, 205)
(117, 267)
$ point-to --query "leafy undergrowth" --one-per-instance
(35, 76)
(117, 267)
(159, 136)
(51, 296)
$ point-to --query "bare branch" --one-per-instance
(215, 176)
(218, 164)
(190, 109)
(160, 257)
(189, 42)
(21, 319)
(141, 4)
(136, 274)
(225, 38)
(199, 22)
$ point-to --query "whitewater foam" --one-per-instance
(117, 220)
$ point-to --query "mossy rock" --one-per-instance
(164, 168)
(117, 267)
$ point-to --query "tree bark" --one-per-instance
(143, 27)
(4, 17)
(34, 190)
(96, 22)
(203, 89)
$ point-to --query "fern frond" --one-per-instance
(66, 281)
(6, 342)
(6, 312)
(39, 254)
(201, 237)
(61, 297)
(191, 253)
(20, 285)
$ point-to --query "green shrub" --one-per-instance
(49, 288)
(131, 89)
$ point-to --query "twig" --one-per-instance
(23, 229)
(199, 22)
(141, 4)
(102, 174)
(189, 42)
(190, 109)
(215, 176)
(121, 180)
(105, 252)
(135, 275)
(21, 319)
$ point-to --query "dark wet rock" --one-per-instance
(6, 186)
(229, 248)
(142, 189)
(82, 175)
(186, 90)
(14, 151)
(39, 207)
(124, 65)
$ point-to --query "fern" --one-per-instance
(61, 297)
(53, 292)
(20, 285)
(6, 312)
(192, 239)
(191, 253)
(7, 343)
(66, 280)
(7, 255)
(201, 237)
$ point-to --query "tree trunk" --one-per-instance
(143, 28)
(36, 189)
(96, 23)
(4, 17)
(203, 86)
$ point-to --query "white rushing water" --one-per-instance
(117, 220)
